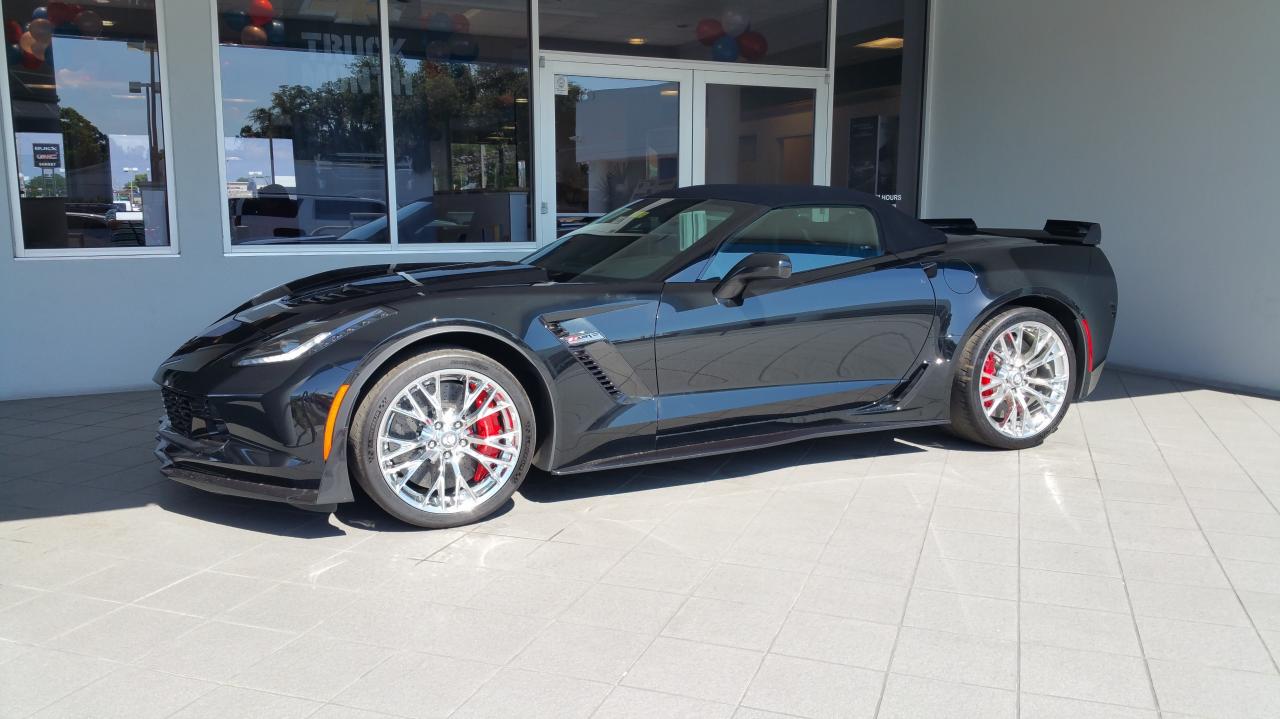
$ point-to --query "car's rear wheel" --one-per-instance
(1015, 380)
(443, 439)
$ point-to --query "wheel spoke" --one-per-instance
(493, 441)
(486, 460)
(487, 411)
(400, 449)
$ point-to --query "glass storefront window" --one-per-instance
(303, 123)
(759, 135)
(745, 31)
(461, 120)
(88, 124)
(879, 80)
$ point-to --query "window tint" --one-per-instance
(813, 237)
(88, 122)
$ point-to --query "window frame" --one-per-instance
(10, 148)
(393, 246)
(836, 268)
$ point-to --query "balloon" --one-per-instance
(708, 31)
(261, 12)
(61, 13)
(437, 49)
(461, 23)
(235, 20)
(253, 35)
(31, 62)
(89, 23)
(12, 31)
(440, 22)
(464, 49)
(41, 29)
(39, 13)
(15, 55)
(734, 22)
(275, 32)
(67, 28)
(753, 45)
(725, 49)
(33, 51)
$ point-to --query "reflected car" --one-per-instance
(692, 322)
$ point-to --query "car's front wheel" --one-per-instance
(1014, 381)
(443, 439)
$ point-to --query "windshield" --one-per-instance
(635, 240)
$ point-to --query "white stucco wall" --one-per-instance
(1157, 118)
(70, 326)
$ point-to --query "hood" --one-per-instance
(349, 290)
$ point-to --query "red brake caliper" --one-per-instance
(485, 428)
(988, 368)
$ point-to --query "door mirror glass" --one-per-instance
(757, 266)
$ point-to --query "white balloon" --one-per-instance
(734, 22)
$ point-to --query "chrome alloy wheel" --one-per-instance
(449, 441)
(1024, 381)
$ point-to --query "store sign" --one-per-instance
(47, 155)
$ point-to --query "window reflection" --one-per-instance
(460, 110)
(84, 84)
(877, 93)
(759, 135)
(303, 121)
(745, 31)
(616, 140)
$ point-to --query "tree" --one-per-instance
(85, 145)
(46, 186)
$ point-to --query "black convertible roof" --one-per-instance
(901, 232)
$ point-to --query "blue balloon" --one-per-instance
(275, 32)
(67, 28)
(464, 49)
(235, 20)
(440, 22)
(40, 13)
(725, 49)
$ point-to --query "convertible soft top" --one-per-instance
(901, 232)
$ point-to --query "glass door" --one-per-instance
(759, 129)
(607, 135)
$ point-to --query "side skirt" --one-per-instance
(738, 444)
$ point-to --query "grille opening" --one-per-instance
(186, 413)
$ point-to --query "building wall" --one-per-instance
(1156, 118)
(69, 326)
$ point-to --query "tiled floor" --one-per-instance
(1129, 567)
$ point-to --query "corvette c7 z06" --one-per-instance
(696, 321)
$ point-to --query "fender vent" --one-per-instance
(585, 359)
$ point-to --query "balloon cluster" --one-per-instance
(449, 37)
(29, 45)
(257, 24)
(730, 36)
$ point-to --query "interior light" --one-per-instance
(635, 41)
(669, 93)
(108, 23)
(884, 43)
(522, 100)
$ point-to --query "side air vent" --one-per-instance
(576, 343)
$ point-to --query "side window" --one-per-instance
(813, 237)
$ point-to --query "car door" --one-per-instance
(841, 332)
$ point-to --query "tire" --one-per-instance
(972, 400)
(450, 373)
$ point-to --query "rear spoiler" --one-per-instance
(1064, 231)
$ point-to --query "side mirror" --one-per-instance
(756, 266)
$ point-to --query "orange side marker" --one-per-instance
(333, 418)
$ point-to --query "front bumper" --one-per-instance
(227, 465)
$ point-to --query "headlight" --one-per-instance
(308, 337)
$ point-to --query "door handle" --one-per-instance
(930, 269)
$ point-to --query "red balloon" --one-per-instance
(261, 12)
(752, 45)
(31, 62)
(461, 23)
(12, 31)
(61, 13)
(708, 31)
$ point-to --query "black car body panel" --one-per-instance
(630, 371)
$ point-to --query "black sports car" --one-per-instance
(697, 321)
